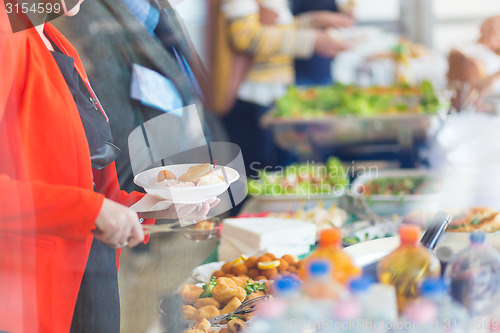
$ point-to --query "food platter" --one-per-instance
(327, 131)
(337, 116)
(192, 194)
(395, 204)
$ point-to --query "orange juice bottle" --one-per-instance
(408, 266)
(330, 249)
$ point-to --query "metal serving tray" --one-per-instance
(302, 135)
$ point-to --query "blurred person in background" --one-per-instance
(490, 37)
(61, 209)
(123, 41)
(318, 69)
(254, 43)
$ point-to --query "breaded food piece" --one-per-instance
(231, 305)
(264, 258)
(239, 281)
(204, 225)
(201, 302)
(283, 265)
(258, 293)
(236, 325)
(165, 175)
(251, 262)
(194, 173)
(190, 293)
(227, 268)
(270, 255)
(226, 289)
(207, 312)
(189, 312)
(253, 273)
(268, 273)
(218, 274)
(290, 259)
(260, 277)
(240, 269)
(194, 330)
(225, 330)
(202, 324)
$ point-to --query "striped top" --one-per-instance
(274, 46)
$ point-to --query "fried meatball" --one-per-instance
(270, 255)
(269, 272)
(290, 259)
(264, 258)
(189, 312)
(201, 302)
(260, 277)
(218, 274)
(283, 265)
(251, 262)
(207, 312)
(253, 273)
(190, 293)
(227, 267)
(224, 330)
(240, 269)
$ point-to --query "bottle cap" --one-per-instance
(286, 285)
(319, 268)
(409, 233)
(361, 284)
(432, 286)
(478, 238)
(330, 236)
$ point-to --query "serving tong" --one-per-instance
(245, 308)
(188, 231)
(429, 240)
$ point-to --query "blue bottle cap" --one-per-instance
(361, 284)
(433, 286)
(319, 268)
(286, 284)
(478, 237)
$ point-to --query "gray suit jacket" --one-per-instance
(109, 40)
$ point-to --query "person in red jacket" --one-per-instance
(61, 208)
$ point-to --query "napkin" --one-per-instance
(253, 236)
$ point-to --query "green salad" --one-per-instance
(301, 179)
(344, 100)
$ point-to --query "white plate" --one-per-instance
(368, 252)
(192, 194)
(204, 273)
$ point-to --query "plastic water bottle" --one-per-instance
(320, 285)
(282, 313)
(452, 316)
(347, 317)
(330, 248)
(474, 275)
(408, 266)
(419, 317)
